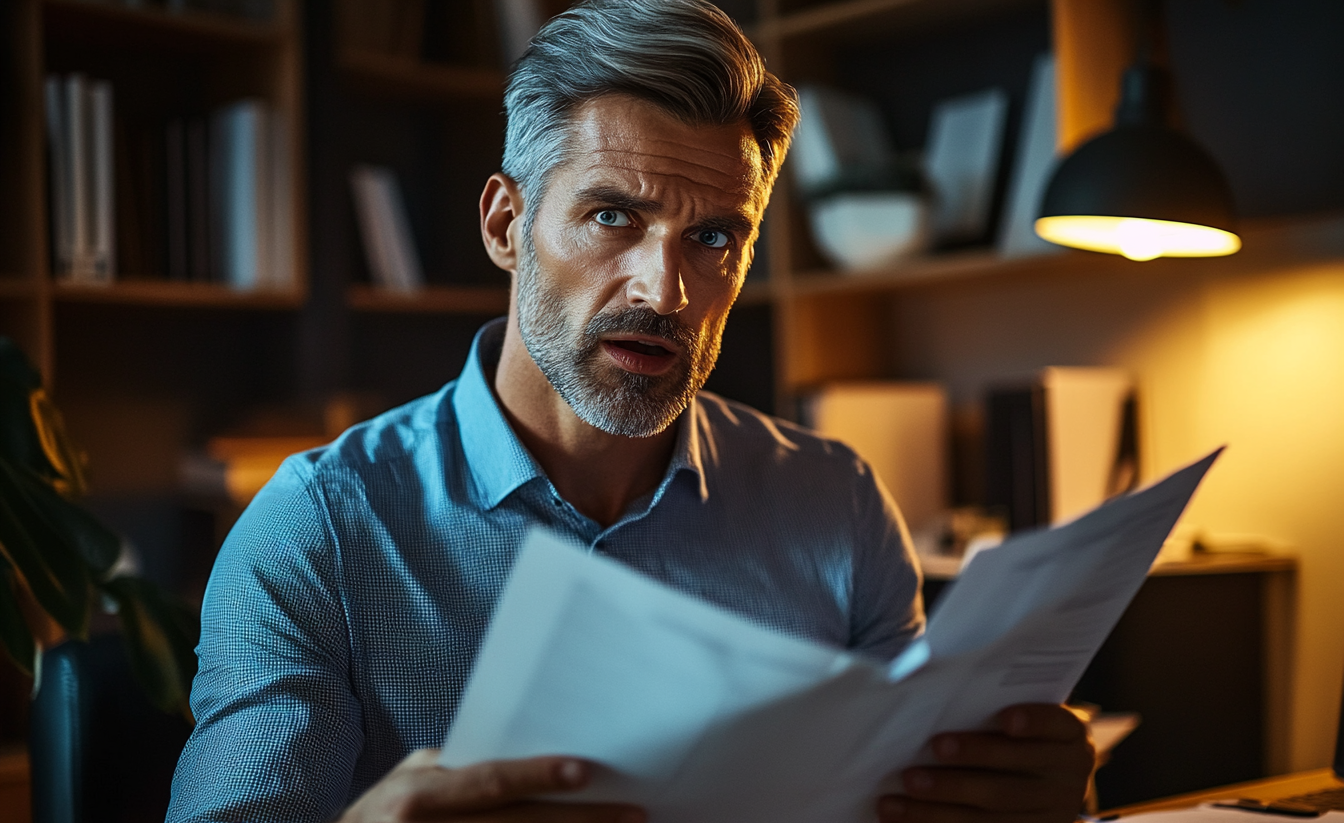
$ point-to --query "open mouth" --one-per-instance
(640, 356)
(641, 348)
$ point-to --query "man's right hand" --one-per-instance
(420, 789)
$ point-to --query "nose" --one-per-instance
(657, 281)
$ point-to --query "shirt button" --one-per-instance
(558, 502)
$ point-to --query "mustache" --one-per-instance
(643, 321)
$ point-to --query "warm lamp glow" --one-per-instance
(1137, 238)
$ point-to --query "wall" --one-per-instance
(1247, 352)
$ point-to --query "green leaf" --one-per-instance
(19, 439)
(14, 633)
(160, 639)
(55, 573)
(97, 545)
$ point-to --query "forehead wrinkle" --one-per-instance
(715, 170)
(744, 187)
(623, 143)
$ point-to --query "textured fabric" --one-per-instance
(347, 605)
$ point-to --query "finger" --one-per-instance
(496, 783)
(987, 790)
(420, 758)
(569, 813)
(901, 809)
(1045, 721)
(1022, 755)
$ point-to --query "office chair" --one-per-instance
(100, 751)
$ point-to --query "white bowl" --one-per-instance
(868, 230)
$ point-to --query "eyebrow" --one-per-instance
(608, 196)
(617, 199)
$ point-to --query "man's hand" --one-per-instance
(1033, 770)
(419, 789)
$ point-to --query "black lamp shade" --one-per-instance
(1146, 171)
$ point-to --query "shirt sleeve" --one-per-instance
(887, 609)
(278, 727)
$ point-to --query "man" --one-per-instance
(345, 610)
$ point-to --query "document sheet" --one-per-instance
(700, 715)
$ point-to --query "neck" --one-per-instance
(600, 474)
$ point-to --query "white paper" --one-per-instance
(699, 715)
(1213, 814)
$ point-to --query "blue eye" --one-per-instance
(612, 217)
(713, 239)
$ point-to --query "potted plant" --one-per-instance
(58, 562)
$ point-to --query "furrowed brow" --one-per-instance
(617, 199)
(731, 223)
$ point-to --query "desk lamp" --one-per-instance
(1142, 189)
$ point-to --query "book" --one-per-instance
(1035, 162)
(385, 229)
(61, 185)
(839, 136)
(250, 202)
(901, 429)
(81, 216)
(1061, 444)
(964, 144)
(79, 121)
(102, 239)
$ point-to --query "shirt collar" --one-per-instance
(496, 458)
(498, 461)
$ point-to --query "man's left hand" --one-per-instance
(1034, 769)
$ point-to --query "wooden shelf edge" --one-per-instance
(409, 77)
(201, 25)
(430, 300)
(844, 15)
(184, 295)
(1268, 242)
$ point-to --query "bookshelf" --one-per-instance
(147, 367)
(159, 64)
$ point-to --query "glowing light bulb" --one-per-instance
(1139, 239)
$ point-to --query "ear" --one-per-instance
(501, 220)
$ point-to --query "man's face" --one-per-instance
(636, 254)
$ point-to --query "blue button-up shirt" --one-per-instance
(347, 605)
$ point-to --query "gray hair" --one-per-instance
(685, 56)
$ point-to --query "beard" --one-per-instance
(602, 394)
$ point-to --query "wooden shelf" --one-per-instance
(182, 295)
(1298, 239)
(940, 567)
(431, 300)
(409, 78)
(859, 17)
(17, 287)
(81, 22)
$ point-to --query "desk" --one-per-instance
(1266, 789)
(1202, 655)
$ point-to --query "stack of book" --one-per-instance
(79, 130)
(205, 198)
